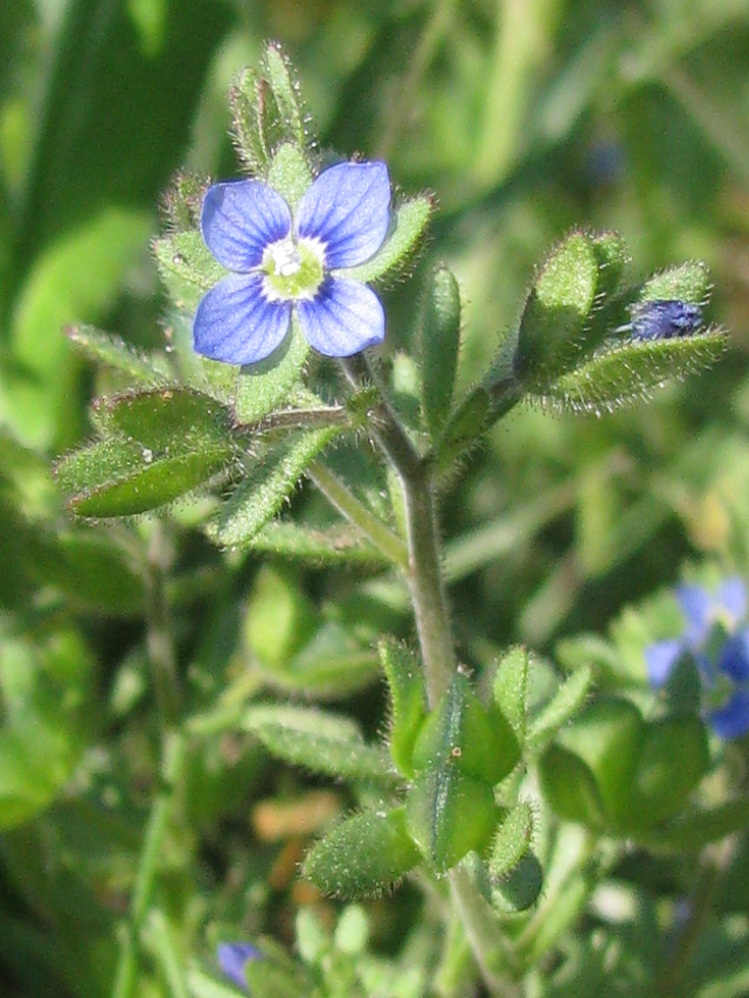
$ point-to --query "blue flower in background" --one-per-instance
(717, 637)
(283, 261)
(232, 958)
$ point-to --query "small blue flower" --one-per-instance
(716, 636)
(663, 319)
(283, 260)
(232, 958)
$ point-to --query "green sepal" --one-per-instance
(262, 493)
(519, 889)
(407, 227)
(510, 689)
(408, 705)
(183, 202)
(672, 759)
(512, 840)
(564, 704)
(267, 111)
(568, 786)
(119, 477)
(478, 740)
(438, 338)
(321, 742)
(695, 829)
(263, 387)
(114, 352)
(632, 371)
(330, 545)
(688, 282)
(187, 267)
(449, 814)
(166, 419)
(561, 299)
(362, 856)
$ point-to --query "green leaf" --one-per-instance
(279, 619)
(406, 686)
(275, 974)
(565, 703)
(438, 333)
(333, 664)
(570, 788)
(632, 371)
(90, 569)
(265, 489)
(263, 387)
(321, 742)
(118, 477)
(166, 418)
(673, 759)
(362, 856)
(512, 840)
(289, 173)
(45, 686)
(407, 228)
(692, 831)
(607, 736)
(329, 545)
(510, 689)
(112, 351)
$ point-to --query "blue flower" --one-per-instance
(716, 636)
(283, 260)
(663, 319)
(232, 958)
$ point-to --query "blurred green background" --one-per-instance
(526, 118)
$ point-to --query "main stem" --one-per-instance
(426, 587)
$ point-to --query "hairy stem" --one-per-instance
(357, 514)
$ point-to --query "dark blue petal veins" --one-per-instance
(348, 209)
(239, 219)
(235, 323)
(664, 319)
(343, 319)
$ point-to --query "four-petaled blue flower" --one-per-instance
(283, 260)
(232, 958)
(717, 638)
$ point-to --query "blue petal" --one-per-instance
(348, 209)
(237, 324)
(732, 596)
(732, 720)
(240, 219)
(697, 605)
(660, 659)
(344, 318)
(232, 958)
(734, 657)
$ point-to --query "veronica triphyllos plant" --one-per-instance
(283, 260)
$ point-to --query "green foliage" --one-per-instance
(439, 342)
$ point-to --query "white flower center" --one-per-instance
(294, 269)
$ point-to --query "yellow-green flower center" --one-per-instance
(294, 269)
